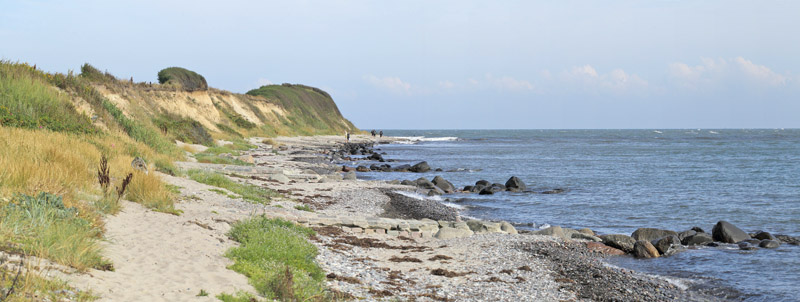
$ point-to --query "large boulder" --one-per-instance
(401, 168)
(644, 249)
(726, 232)
(555, 231)
(376, 156)
(486, 191)
(424, 183)
(484, 183)
(764, 236)
(769, 244)
(507, 227)
(623, 242)
(665, 243)
(420, 167)
(448, 232)
(514, 184)
(598, 247)
(697, 239)
(480, 227)
(362, 169)
(650, 234)
(683, 235)
(443, 184)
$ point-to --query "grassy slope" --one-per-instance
(310, 110)
(48, 145)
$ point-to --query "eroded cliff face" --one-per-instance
(269, 110)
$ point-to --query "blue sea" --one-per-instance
(616, 181)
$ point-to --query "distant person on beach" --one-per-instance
(373, 132)
(347, 135)
(381, 133)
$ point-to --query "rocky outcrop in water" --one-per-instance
(726, 232)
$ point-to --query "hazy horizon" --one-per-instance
(451, 64)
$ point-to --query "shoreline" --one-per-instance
(611, 285)
(164, 257)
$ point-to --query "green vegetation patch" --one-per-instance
(183, 129)
(42, 226)
(309, 110)
(229, 130)
(278, 259)
(28, 101)
(225, 154)
(182, 78)
(248, 192)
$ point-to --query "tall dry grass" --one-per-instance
(65, 164)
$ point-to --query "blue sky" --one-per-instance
(451, 64)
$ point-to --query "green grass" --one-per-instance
(303, 208)
(42, 226)
(310, 110)
(183, 129)
(203, 293)
(248, 192)
(212, 154)
(238, 297)
(139, 132)
(229, 130)
(278, 259)
(27, 100)
(182, 78)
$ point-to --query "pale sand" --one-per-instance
(163, 257)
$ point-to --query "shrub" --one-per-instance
(91, 73)
(182, 78)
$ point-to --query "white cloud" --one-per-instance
(447, 85)
(714, 71)
(263, 82)
(760, 72)
(394, 84)
(508, 83)
(617, 81)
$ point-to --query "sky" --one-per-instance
(450, 64)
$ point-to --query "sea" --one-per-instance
(616, 181)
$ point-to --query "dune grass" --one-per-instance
(248, 192)
(278, 259)
(27, 101)
(44, 227)
(29, 285)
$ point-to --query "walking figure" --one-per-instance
(381, 133)
(347, 135)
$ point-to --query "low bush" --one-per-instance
(182, 78)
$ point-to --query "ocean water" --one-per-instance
(616, 181)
